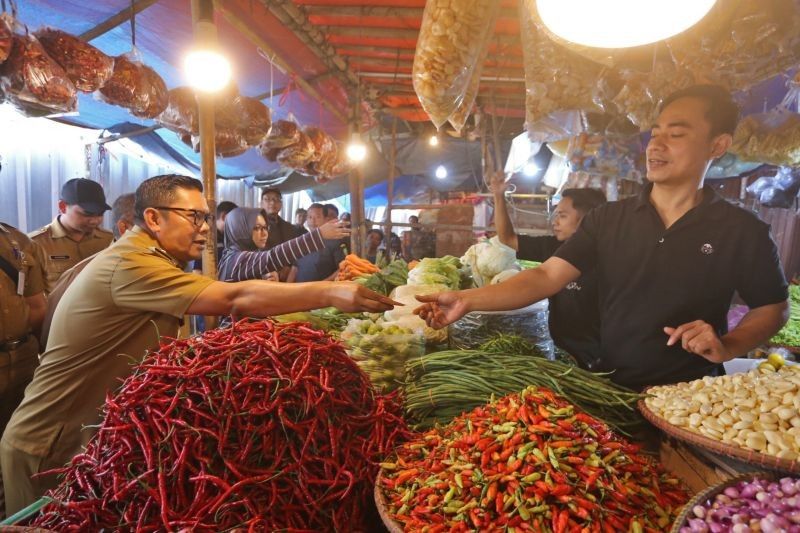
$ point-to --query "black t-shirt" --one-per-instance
(319, 265)
(651, 277)
(280, 231)
(574, 315)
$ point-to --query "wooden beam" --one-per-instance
(502, 74)
(366, 33)
(374, 51)
(360, 3)
(259, 41)
(398, 23)
(365, 11)
(115, 20)
(386, 42)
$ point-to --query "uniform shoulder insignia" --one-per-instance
(40, 231)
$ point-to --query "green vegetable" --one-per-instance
(790, 334)
(392, 275)
(442, 385)
(437, 271)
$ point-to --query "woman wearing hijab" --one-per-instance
(246, 236)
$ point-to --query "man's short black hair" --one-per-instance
(161, 191)
(379, 232)
(225, 207)
(268, 190)
(300, 211)
(329, 210)
(584, 200)
(316, 205)
(721, 111)
(122, 209)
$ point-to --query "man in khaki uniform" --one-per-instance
(22, 306)
(113, 313)
(74, 234)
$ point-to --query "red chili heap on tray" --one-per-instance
(266, 426)
(528, 462)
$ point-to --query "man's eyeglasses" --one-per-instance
(197, 218)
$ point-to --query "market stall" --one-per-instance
(332, 421)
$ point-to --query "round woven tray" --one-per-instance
(383, 509)
(705, 495)
(742, 454)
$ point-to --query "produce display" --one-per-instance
(86, 66)
(529, 461)
(392, 275)
(750, 505)
(353, 267)
(445, 384)
(789, 335)
(404, 314)
(449, 46)
(444, 271)
(756, 410)
(136, 87)
(33, 82)
(489, 258)
(259, 426)
(382, 350)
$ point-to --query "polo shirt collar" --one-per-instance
(710, 197)
(58, 231)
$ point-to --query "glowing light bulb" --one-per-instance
(207, 70)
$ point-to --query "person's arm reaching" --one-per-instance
(37, 308)
(258, 298)
(525, 288)
(502, 220)
(758, 324)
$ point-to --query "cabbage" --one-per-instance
(433, 271)
(488, 258)
(504, 275)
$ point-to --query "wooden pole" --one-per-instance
(390, 186)
(205, 34)
(115, 20)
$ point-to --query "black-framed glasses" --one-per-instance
(197, 217)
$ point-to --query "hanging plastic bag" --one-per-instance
(181, 113)
(282, 134)
(779, 190)
(321, 141)
(256, 120)
(298, 155)
(135, 87)
(448, 48)
(6, 36)
(772, 137)
(32, 81)
(227, 143)
(86, 66)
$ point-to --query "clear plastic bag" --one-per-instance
(382, 349)
(529, 323)
(32, 81)
(256, 120)
(772, 137)
(135, 87)
(641, 93)
(6, 36)
(227, 143)
(283, 133)
(298, 155)
(606, 155)
(86, 66)
(779, 190)
(448, 49)
(181, 115)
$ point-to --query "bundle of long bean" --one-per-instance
(442, 385)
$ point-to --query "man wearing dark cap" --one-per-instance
(75, 233)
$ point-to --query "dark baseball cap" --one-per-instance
(87, 194)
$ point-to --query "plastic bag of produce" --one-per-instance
(6, 36)
(136, 87)
(32, 81)
(256, 120)
(529, 323)
(404, 314)
(772, 137)
(382, 349)
(487, 259)
(86, 66)
(448, 48)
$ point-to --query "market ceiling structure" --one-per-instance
(321, 60)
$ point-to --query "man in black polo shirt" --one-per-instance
(574, 313)
(668, 261)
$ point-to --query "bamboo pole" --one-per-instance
(205, 34)
(390, 186)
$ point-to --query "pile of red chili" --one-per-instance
(528, 462)
(264, 426)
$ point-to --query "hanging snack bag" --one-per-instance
(136, 87)
(6, 36)
(448, 48)
(256, 120)
(180, 115)
(298, 155)
(86, 66)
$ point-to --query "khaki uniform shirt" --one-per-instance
(111, 314)
(61, 252)
(26, 258)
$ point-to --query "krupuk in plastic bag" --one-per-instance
(6, 35)
(86, 66)
(136, 87)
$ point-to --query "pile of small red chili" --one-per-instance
(262, 427)
(528, 462)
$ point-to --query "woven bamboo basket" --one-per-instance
(383, 509)
(702, 497)
(746, 455)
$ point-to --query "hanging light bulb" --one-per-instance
(620, 23)
(356, 150)
(530, 169)
(441, 172)
(207, 70)
(434, 140)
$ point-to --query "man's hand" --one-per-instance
(699, 338)
(272, 276)
(498, 184)
(441, 309)
(334, 230)
(351, 297)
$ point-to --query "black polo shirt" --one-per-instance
(651, 277)
(574, 314)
